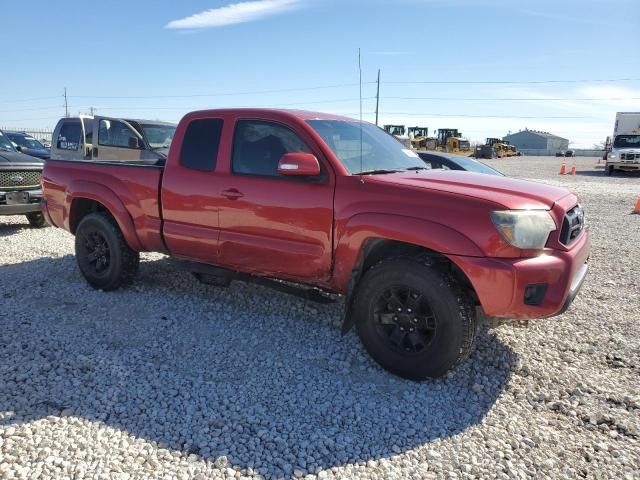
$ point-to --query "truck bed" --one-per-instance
(132, 188)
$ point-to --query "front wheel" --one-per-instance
(37, 220)
(413, 319)
(610, 170)
(104, 258)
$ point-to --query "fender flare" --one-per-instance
(103, 195)
(359, 229)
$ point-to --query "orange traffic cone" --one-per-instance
(573, 169)
(637, 209)
(563, 169)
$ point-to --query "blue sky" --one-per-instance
(180, 56)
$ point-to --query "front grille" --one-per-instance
(630, 156)
(572, 225)
(16, 179)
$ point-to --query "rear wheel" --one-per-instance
(36, 219)
(104, 258)
(413, 319)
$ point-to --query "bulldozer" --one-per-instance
(419, 137)
(499, 146)
(450, 140)
(399, 131)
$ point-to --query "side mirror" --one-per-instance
(134, 142)
(299, 164)
(19, 148)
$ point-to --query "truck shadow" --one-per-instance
(187, 367)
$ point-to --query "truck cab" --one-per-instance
(625, 146)
(111, 139)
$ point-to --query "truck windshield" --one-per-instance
(627, 141)
(5, 143)
(158, 136)
(380, 151)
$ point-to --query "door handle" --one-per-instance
(232, 194)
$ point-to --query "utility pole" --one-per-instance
(92, 110)
(378, 97)
(66, 104)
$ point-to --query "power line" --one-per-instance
(509, 82)
(225, 94)
(34, 99)
(428, 114)
(519, 99)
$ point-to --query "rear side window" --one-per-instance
(200, 144)
(69, 136)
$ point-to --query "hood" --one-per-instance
(17, 158)
(508, 192)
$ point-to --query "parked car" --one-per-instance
(569, 153)
(560, 153)
(449, 161)
(319, 202)
(111, 139)
(25, 143)
(20, 191)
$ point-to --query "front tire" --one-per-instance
(413, 319)
(36, 220)
(104, 258)
(610, 170)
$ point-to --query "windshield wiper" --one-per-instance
(417, 168)
(376, 172)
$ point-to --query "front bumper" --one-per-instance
(501, 284)
(35, 198)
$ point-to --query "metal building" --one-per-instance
(534, 142)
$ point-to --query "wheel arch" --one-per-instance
(86, 197)
(400, 237)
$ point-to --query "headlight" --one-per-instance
(526, 229)
(612, 156)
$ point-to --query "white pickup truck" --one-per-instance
(625, 147)
(111, 139)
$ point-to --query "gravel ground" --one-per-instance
(173, 379)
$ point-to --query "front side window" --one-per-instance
(363, 147)
(69, 136)
(112, 133)
(258, 147)
(200, 145)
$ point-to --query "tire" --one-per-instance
(610, 170)
(104, 258)
(445, 324)
(36, 220)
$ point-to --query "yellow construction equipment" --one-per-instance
(450, 140)
(399, 131)
(419, 137)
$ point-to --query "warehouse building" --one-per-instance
(534, 142)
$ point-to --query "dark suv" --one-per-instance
(20, 191)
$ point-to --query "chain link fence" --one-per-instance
(44, 135)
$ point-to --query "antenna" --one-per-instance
(378, 97)
(360, 72)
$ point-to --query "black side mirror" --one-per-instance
(134, 142)
(19, 148)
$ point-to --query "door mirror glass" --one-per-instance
(134, 142)
(299, 164)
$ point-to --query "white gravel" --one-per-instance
(173, 379)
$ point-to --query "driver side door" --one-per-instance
(117, 141)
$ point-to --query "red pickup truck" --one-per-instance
(328, 203)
